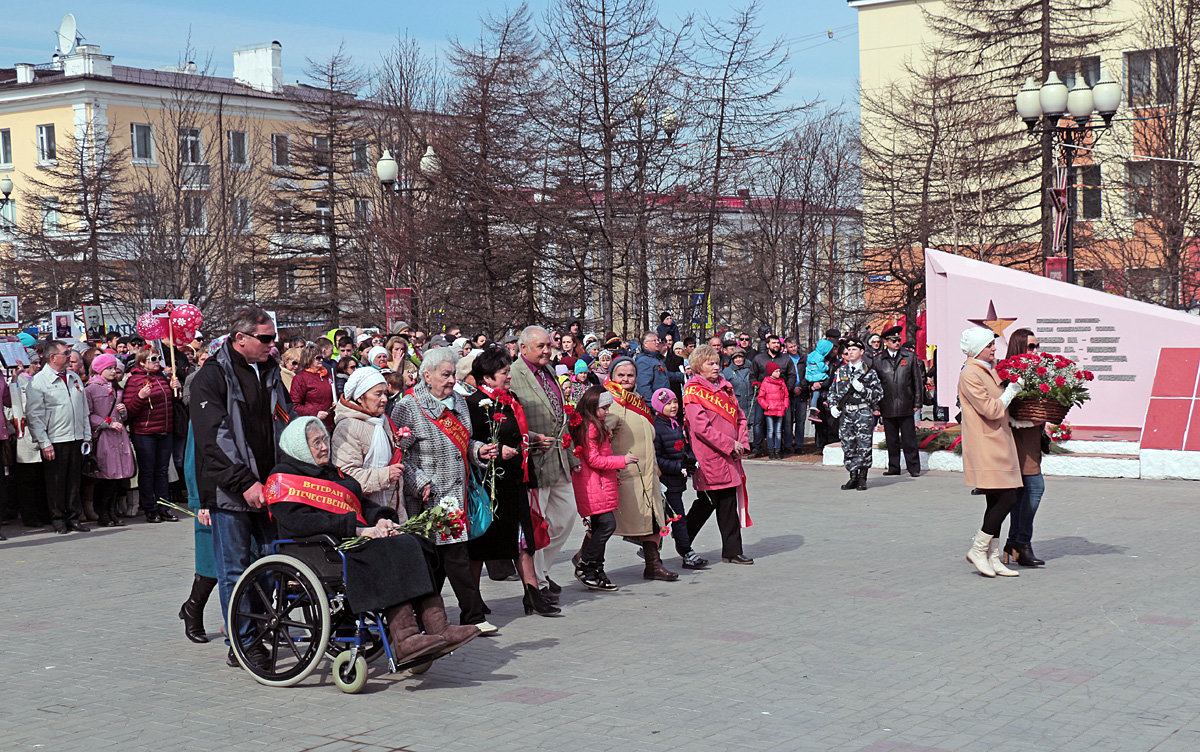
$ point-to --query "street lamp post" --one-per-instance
(6, 189)
(429, 167)
(1045, 109)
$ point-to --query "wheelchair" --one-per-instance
(292, 601)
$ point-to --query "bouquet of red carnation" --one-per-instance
(1045, 377)
(1059, 433)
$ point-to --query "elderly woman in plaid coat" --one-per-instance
(436, 458)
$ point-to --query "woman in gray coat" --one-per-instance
(437, 454)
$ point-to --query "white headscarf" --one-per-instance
(375, 352)
(361, 381)
(974, 339)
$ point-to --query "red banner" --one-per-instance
(319, 494)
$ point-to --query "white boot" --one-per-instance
(978, 554)
(994, 560)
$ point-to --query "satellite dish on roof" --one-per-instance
(68, 35)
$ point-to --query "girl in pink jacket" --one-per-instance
(773, 397)
(595, 483)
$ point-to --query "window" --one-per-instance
(243, 282)
(362, 212)
(193, 212)
(361, 156)
(51, 219)
(8, 215)
(285, 217)
(239, 215)
(190, 151)
(322, 154)
(324, 278)
(287, 280)
(1087, 201)
(142, 138)
(1089, 66)
(279, 150)
(5, 147)
(143, 212)
(1152, 76)
(47, 149)
(324, 217)
(1141, 188)
(237, 148)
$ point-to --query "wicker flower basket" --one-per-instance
(1039, 410)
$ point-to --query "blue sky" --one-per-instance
(152, 34)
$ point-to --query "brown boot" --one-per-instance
(433, 615)
(654, 566)
(407, 640)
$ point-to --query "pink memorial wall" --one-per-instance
(1116, 338)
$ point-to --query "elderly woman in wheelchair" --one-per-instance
(309, 597)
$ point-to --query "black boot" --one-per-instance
(192, 610)
(852, 483)
(534, 601)
(862, 480)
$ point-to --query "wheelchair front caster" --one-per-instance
(350, 672)
(420, 668)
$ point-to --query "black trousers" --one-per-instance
(999, 503)
(600, 528)
(28, 488)
(902, 432)
(454, 564)
(724, 501)
(63, 474)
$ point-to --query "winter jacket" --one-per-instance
(237, 415)
(156, 413)
(349, 447)
(816, 369)
(114, 452)
(773, 396)
(664, 329)
(743, 389)
(903, 380)
(55, 410)
(312, 392)
(787, 370)
(673, 451)
(596, 486)
(712, 440)
(652, 375)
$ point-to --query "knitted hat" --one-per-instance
(105, 361)
(605, 399)
(360, 382)
(612, 367)
(581, 366)
(567, 361)
(772, 368)
(561, 370)
(293, 441)
(362, 338)
(661, 398)
(974, 339)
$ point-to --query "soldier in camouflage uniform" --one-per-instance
(853, 399)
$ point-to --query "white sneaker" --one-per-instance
(487, 629)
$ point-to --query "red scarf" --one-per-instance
(312, 492)
(505, 398)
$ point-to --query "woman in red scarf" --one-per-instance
(496, 411)
(312, 388)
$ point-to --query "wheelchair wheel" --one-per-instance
(345, 626)
(350, 676)
(280, 602)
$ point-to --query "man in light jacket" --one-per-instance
(56, 415)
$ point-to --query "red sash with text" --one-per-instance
(723, 404)
(313, 492)
(449, 424)
(629, 400)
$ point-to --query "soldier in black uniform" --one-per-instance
(902, 375)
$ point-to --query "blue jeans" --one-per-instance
(153, 460)
(774, 430)
(1020, 520)
(238, 538)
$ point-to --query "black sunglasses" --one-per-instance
(893, 339)
(266, 339)
(1032, 345)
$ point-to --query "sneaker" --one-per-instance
(603, 583)
(486, 628)
(693, 561)
(814, 415)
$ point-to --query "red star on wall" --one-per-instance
(994, 322)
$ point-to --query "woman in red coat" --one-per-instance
(312, 388)
(148, 399)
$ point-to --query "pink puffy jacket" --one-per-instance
(596, 481)
(713, 438)
(773, 396)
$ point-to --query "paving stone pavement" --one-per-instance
(860, 628)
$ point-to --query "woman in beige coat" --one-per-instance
(364, 440)
(989, 453)
(640, 516)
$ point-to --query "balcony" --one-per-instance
(194, 176)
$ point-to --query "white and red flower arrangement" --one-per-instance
(1047, 377)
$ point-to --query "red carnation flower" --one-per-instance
(1045, 388)
(499, 417)
(569, 409)
(1004, 374)
(1089, 375)
(1060, 381)
(579, 451)
(679, 445)
(574, 420)
(1047, 356)
(1041, 371)
(566, 440)
(1014, 377)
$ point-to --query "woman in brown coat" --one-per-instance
(989, 455)
(1028, 437)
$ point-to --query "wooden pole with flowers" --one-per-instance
(1050, 385)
